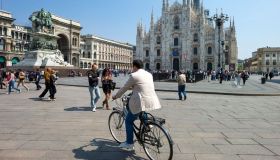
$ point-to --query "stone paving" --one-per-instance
(205, 127)
(253, 86)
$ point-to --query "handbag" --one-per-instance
(112, 85)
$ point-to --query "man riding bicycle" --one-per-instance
(143, 98)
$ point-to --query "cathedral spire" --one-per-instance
(167, 4)
(233, 25)
(189, 3)
(163, 5)
(184, 3)
(152, 19)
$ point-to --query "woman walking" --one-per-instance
(11, 81)
(21, 78)
(106, 86)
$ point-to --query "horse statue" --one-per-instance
(41, 20)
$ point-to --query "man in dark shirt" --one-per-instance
(93, 78)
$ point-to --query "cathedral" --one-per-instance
(186, 38)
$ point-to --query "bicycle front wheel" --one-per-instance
(116, 124)
(157, 142)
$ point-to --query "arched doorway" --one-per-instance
(209, 66)
(2, 62)
(158, 66)
(15, 60)
(63, 46)
(74, 61)
(195, 66)
(147, 66)
(176, 64)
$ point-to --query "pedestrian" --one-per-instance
(47, 75)
(244, 77)
(209, 75)
(53, 90)
(37, 79)
(143, 98)
(270, 75)
(2, 77)
(182, 86)
(93, 78)
(21, 79)
(106, 86)
(238, 78)
(11, 81)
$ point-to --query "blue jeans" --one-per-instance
(93, 100)
(182, 90)
(12, 86)
(130, 118)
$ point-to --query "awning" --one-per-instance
(15, 60)
(2, 59)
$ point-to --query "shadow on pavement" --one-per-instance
(80, 109)
(274, 81)
(170, 99)
(103, 149)
(38, 99)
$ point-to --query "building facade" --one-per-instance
(14, 40)
(266, 60)
(106, 53)
(184, 38)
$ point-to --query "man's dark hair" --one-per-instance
(138, 64)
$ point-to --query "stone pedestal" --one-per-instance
(43, 58)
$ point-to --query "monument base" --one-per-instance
(43, 58)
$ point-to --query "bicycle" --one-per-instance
(150, 132)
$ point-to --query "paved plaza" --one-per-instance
(253, 86)
(205, 127)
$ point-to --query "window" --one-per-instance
(147, 53)
(274, 62)
(267, 62)
(13, 35)
(158, 40)
(1, 44)
(176, 41)
(267, 55)
(176, 22)
(95, 46)
(5, 31)
(94, 55)
(195, 37)
(89, 56)
(158, 52)
(274, 55)
(28, 37)
(195, 50)
(16, 35)
(209, 50)
(1, 31)
(84, 54)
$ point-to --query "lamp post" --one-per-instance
(219, 20)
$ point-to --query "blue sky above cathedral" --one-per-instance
(256, 21)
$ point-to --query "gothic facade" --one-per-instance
(186, 38)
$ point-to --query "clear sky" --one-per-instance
(257, 21)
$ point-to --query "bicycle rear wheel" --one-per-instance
(116, 125)
(157, 142)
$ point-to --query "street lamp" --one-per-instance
(219, 20)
